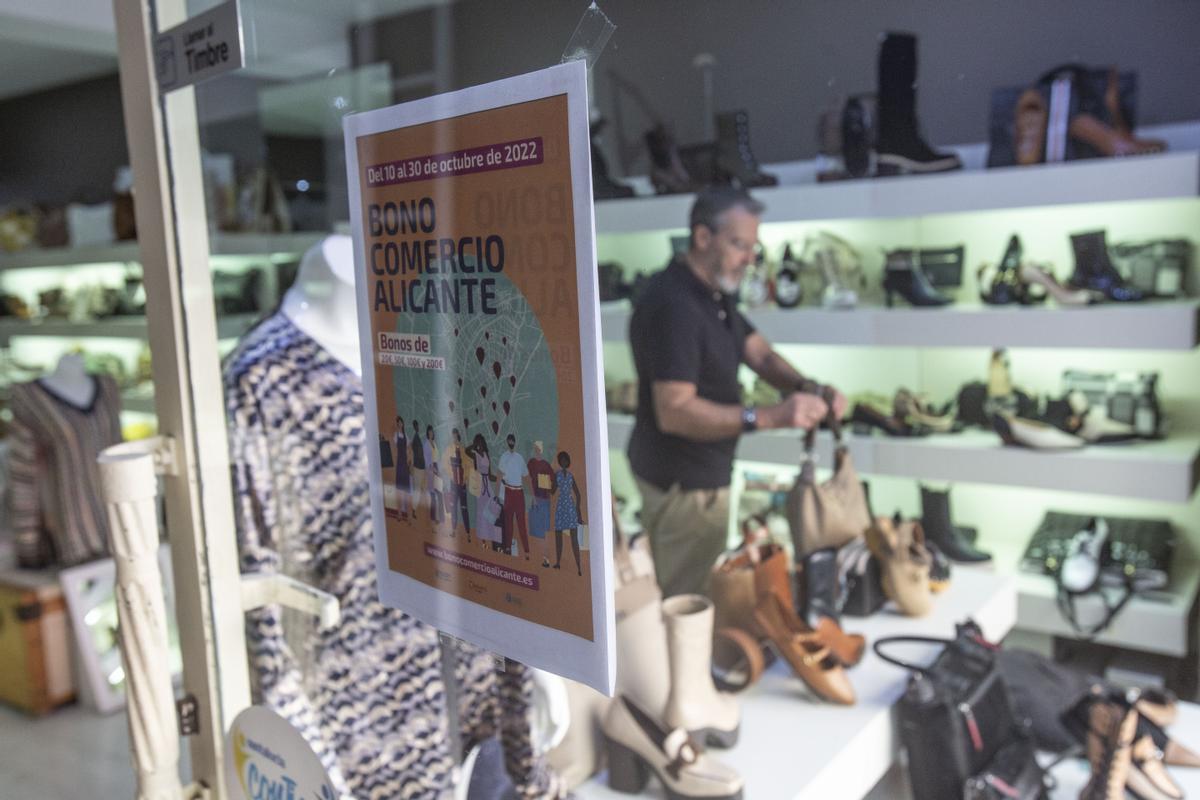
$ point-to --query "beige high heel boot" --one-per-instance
(642, 672)
(694, 703)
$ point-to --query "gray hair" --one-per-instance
(714, 201)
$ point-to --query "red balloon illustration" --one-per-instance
(496, 369)
(479, 354)
(493, 406)
(507, 408)
(483, 391)
(512, 379)
(451, 406)
(495, 427)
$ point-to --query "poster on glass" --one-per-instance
(479, 318)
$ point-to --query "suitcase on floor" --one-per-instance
(35, 645)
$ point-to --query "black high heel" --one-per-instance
(1006, 286)
(903, 276)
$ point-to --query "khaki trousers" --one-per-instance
(688, 531)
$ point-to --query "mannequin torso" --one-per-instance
(71, 382)
(321, 302)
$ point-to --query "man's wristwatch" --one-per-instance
(749, 419)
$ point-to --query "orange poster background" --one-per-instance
(531, 208)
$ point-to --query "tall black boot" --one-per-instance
(953, 541)
(818, 588)
(735, 160)
(1095, 271)
(900, 148)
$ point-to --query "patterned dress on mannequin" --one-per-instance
(368, 694)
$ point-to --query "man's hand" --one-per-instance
(798, 410)
(840, 404)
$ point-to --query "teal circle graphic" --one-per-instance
(499, 377)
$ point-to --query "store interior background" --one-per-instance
(62, 138)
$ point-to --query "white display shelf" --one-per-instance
(1166, 470)
(1156, 623)
(1168, 175)
(1136, 326)
(113, 327)
(794, 748)
(227, 244)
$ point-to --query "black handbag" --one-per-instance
(957, 721)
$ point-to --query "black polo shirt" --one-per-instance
(683, 331)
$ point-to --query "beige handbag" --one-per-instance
(828, 514)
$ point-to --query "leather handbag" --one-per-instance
(828, 514)
(957, 721)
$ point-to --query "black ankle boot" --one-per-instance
(735, 160)
(953, 541)
(903, 276)
(667, 172)
(818, 587)
(900, 148)
(603, 185)
(1095, 271)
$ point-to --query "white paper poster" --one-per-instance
(479, 320)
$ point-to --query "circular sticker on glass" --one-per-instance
(270, 760)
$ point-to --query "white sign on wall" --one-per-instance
(205, 46)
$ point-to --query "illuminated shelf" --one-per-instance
(1168, 175)
(1134, 326)
(228, 244)
(113, 327)
(856, 745)
(1166, 471)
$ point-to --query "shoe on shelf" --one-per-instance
(1005, 287)
(939, 569)
(1111, 728)
(1014, 430)
(694, 704)
(1031, 274)
(899, 147)
(604, 186)
(915, 412)
(811, 660)
(639, 745)
(902, 275)
(1094, 269)
(1109, 141)
(1148, 776)
(904, 562)
(868, 415)
(735, 159)
(739, 583)
(1160, 706)
(950, 539)
(667, 173)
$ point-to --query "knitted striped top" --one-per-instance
(55, 508)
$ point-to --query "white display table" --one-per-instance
(794, 748)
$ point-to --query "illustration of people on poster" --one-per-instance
(479, 317)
